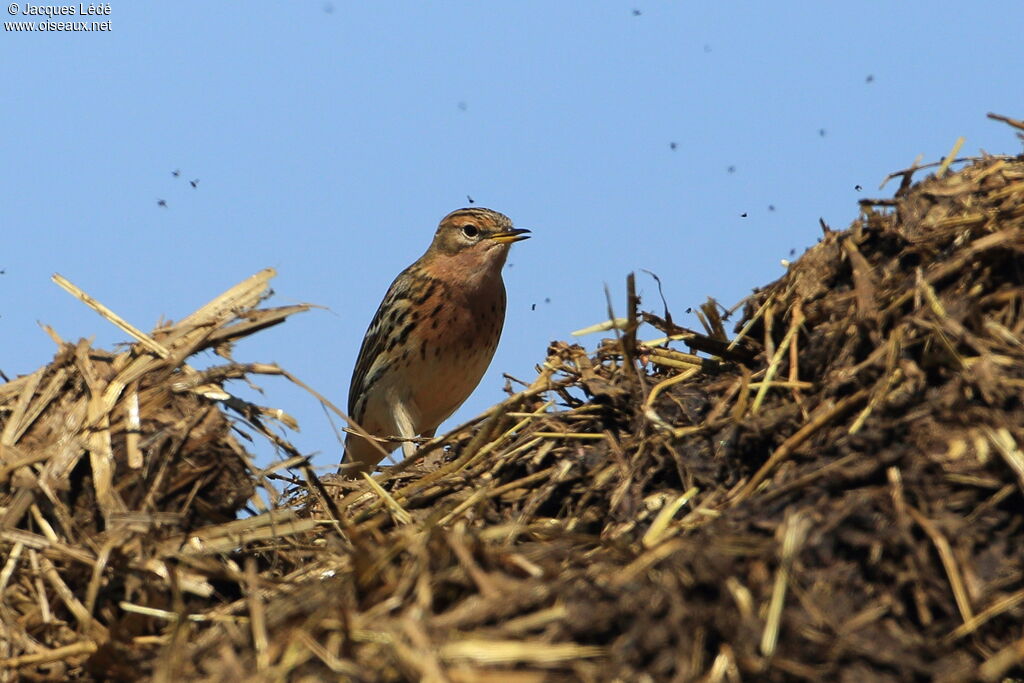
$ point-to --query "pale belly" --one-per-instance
(446, 382)
(452, 358)
(439, 370)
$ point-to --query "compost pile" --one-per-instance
(833, 492)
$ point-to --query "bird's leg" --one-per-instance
(403, 421)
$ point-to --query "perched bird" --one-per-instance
(432, 337)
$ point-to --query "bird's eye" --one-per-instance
(470, 230)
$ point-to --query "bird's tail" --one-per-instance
(360, 456)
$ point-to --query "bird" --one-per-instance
(432, 338)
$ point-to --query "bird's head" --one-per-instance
(481, 233)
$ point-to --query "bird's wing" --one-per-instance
(370, 353)
(389, 328)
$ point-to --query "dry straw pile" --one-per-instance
(834, 493)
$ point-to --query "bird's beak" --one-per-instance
(510, 236)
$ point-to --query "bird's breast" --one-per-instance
(458, 336)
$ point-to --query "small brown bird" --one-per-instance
(432, 337)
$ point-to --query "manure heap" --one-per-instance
(832, 491)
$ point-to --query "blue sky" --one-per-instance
(329, 138)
